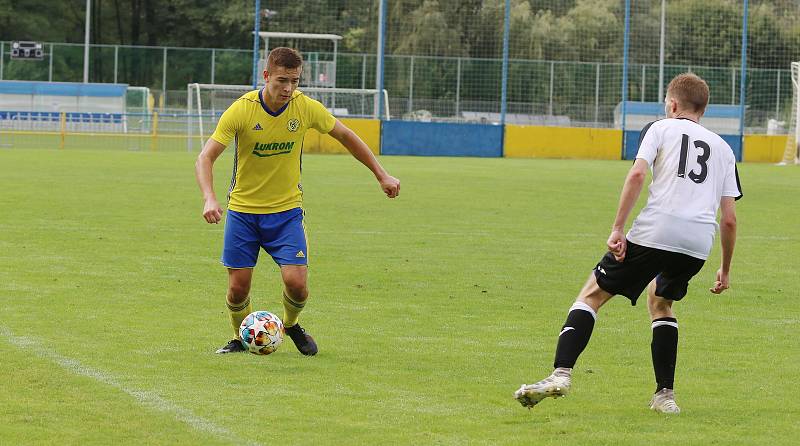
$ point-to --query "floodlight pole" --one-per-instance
(625, 45)
(256, 41)
(86, 42)
(380, 50)
(661, 52)
(743, 77)
(504, 85)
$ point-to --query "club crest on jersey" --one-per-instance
(257, 127)
(293, 125)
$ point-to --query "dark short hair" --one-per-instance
(284, 57)
(690, 90)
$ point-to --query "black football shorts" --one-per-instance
(672, 271)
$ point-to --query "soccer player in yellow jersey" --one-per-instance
(265, 197)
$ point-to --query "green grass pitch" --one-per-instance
(430, 310)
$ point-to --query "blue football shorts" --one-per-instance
(282, 235)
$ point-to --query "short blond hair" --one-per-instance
(690, 90)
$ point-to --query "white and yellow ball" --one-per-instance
(261, 332)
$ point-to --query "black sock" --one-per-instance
(665, 351)
(574, 335)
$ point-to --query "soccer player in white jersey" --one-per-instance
(694, 176)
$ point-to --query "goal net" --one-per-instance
(792, 153)
(206, 103)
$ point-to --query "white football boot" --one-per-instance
(663, 401)
(555, 385)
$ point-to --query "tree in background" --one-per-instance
(700, 34)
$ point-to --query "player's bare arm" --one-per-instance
(204, 172)
(361, 152)
(630, 193)
(727, 229)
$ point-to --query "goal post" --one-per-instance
(205, 103)
(791, 155)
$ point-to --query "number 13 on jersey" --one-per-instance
(701, 160)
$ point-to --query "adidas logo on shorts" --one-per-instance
(300, 254)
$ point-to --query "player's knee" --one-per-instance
(238, 291)
(659, 307)
(594, 296)
(297, 293)
(593, 301)
(296, 288)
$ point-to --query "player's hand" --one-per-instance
(617, 244)
(721, 284)
(211, 211)
(390, 186)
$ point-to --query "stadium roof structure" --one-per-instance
(267, 34)
(333, 38)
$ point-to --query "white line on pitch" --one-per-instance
(143, 397)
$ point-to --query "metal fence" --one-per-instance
(540, 92)
(562, 63)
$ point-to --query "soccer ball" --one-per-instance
(261, 332)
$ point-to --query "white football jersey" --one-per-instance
(693, 168)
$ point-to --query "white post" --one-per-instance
(50, 69)
(363, 71)
(458, 88)
(335, 62)
(778, 95)
(643, 76)
(363, 80)
(213, 63)
(200, 115)
(332, 78)
(189, 108)
(164, 81)
(796, 105)
(552, 72)
(411, 86)
(86, 43)
(116, 64)
(2, 55)
(733, 86)
(597, 94)
(386, 104)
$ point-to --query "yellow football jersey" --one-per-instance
(269, 146)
